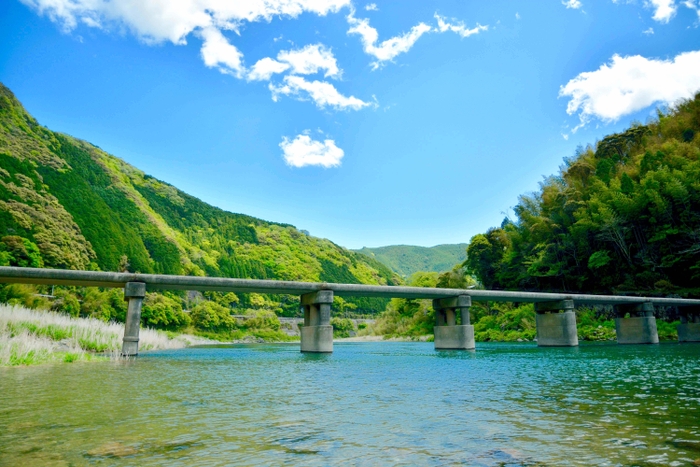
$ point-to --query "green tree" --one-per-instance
(210, 316)
(621, 216)
(263, 319)
(485, 254)
(342, 327)
(160, 311)
(21, 252)
(66, 302)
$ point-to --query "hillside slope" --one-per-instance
(622, 216)
(65, 203)
(407, 259)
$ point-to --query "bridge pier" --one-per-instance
(448, 334)
(689, 329)
(556, 324)
(317, 332)
(134, 292)
(640, 327)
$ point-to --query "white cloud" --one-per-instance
(218, 53)
(390, 48)
(265, 68)
(306, 61)
(517, 15)
(387, 50)
(573, 4)
(648, 32)
(371, 7)
(664, 10)
(322, 93)
(693, 5)
(303, 151)
(630, 84)
(459, 27)
(310, 60)
(156, 21)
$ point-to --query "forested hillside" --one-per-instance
(65, 203)
(621, 216)
(408, 259)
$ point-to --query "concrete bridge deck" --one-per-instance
(167, 282)
(556, 321)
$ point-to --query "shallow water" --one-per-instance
(366, 404)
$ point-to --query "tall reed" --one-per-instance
(35, 336)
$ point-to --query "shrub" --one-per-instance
(210, 316)
(342, 327)
(263, 319)
(163, 312)
(66, 302)
(95, 304)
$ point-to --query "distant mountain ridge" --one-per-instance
(407, 259)
(65, 203)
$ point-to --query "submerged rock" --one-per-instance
(113, 449)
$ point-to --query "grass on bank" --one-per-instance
(29, 337)
(245, 335)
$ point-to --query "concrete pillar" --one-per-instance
(640, 327)
(133, 293)
(449, 335)
(556, 324)
(689, 329)
(317, 332)
(440, 319)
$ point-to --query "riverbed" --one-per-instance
(376, 403)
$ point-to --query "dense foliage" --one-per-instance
(415, 318)
(65, 203)
(623, 216)
(498, 322)
(407, 260)
(620, 217)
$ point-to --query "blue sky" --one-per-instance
(402, 122)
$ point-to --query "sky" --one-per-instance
(369, 123)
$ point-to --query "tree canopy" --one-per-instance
(621, 216)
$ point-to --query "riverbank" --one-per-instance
(30, 337)
(413, 320)
(373, 338)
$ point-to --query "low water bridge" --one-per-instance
(555, 317)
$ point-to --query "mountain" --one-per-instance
(407, 259)
(65, 203)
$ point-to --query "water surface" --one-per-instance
(366, 404)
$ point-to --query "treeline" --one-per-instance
(498, 322)
(222, 316)
(622, 216)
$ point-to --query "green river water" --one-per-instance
(367, 404)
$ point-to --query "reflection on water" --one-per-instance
(367, 404)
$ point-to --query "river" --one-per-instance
(384, 403)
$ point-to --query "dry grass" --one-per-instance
(33, 336)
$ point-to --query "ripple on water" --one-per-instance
(367, 404)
